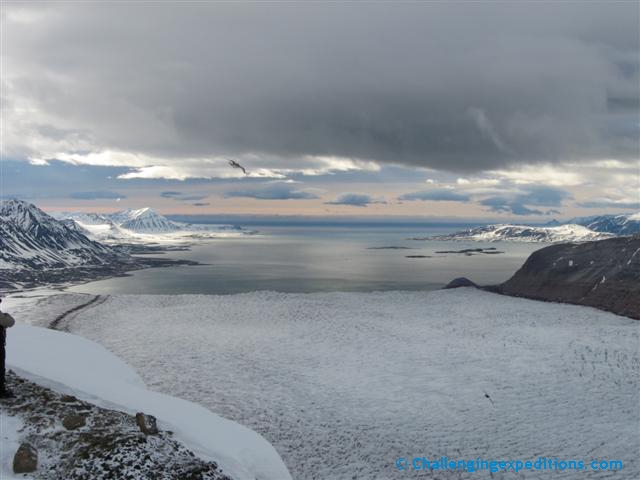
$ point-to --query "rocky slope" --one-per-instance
(603, 274)
(63, 437)
(31, 239)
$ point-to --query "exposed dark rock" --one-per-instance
(417, 256)
(26, 459)
(147, 423)
(111, 447)
(471, 251)
(71, 422)
(460, 282)
(604, 274)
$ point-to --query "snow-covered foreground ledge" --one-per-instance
(75, 365)
(342, 384)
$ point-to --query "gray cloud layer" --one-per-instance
(98, 195)
(355, 199)
(272, 191)
(519, 203)
(608, 203)
(516, 200)
(436, 195)
(464, 86)
(181, 196)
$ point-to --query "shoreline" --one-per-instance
(17, 281)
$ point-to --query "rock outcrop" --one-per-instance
(604, 274)
(96, 443)
(459, 283)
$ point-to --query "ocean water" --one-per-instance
(320, 259)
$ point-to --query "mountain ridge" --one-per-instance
(603, 274)
(38, 249)
(524, 233)
(143, 220)
(32, 239)
(619, 224)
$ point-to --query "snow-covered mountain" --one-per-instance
(125, 225)
(31, 239)
(73, 225)
(624, 224)
(525, 233)
(97, 227)
(143, 220)
(145, 225)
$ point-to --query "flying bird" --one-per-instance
(235, 164)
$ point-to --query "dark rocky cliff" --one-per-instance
(604, 274)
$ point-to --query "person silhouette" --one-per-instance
(6, 321)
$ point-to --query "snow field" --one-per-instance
(342, 384)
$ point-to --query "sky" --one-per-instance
(504, 111)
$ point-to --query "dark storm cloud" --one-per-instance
(272, 191)
(355, 200)
(459, 86)
(437, 195)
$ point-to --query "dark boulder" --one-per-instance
(72, 422)
(147, 423)
(26, 459)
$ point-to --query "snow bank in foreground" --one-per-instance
(72, 364)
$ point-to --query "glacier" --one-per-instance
(342, 384)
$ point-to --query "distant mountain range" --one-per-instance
(581, 229)
(31, 239)
(143, 220)
(144, 225)
(525, 233)
(122, 225)
(625, 224)
(37, 249)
